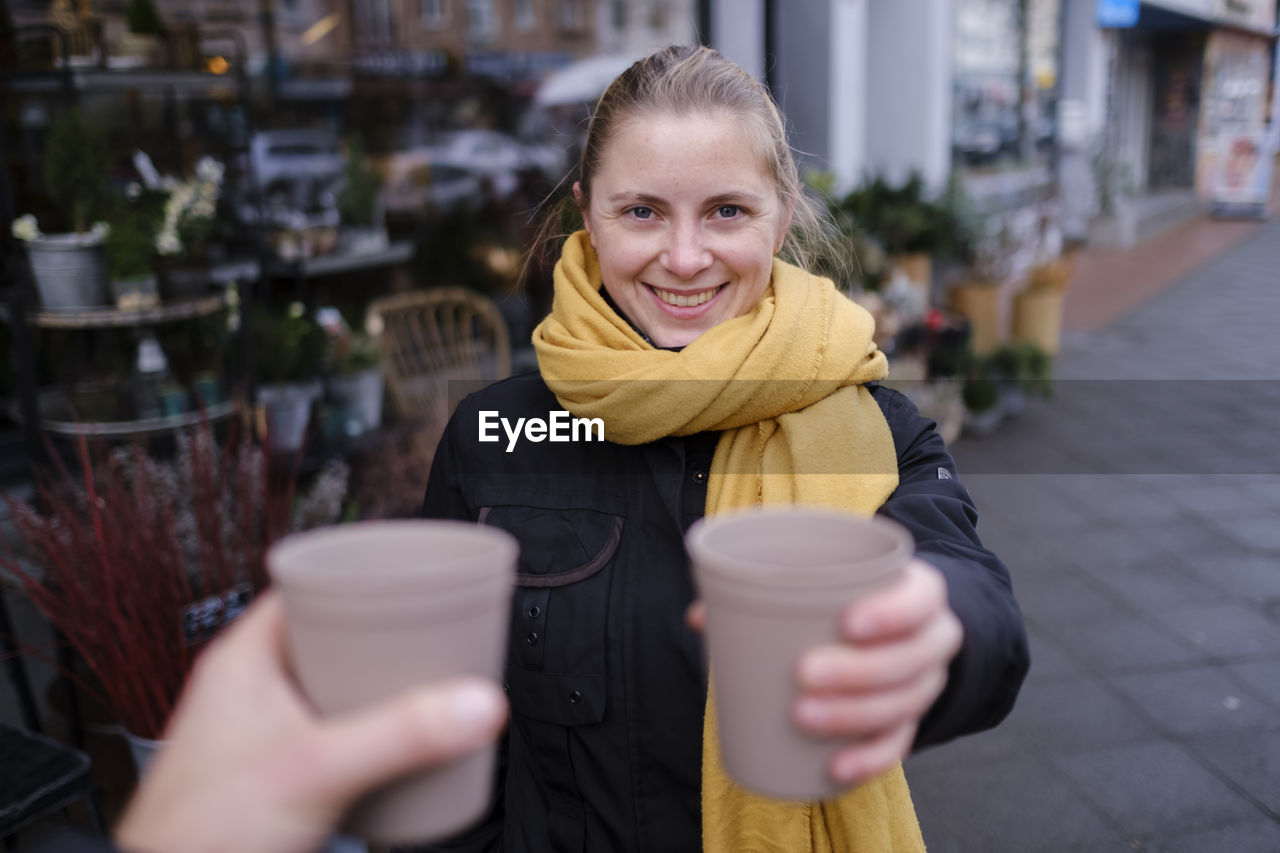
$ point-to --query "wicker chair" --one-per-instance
(437, 345)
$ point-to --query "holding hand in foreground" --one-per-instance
(247, 765)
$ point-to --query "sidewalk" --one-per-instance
(1139, 513)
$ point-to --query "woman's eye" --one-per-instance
(728, 211)
(642, 212)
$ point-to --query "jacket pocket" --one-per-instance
(556, 663)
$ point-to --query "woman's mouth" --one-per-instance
(686, 300)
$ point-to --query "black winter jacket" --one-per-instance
(606, 682)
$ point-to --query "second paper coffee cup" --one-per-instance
(379, 607)
(775, 582)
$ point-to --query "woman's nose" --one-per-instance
(685, 255)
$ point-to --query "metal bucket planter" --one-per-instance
(358, 397)
(286, 412)
(70, 271)
(142, 749)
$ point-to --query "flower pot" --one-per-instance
(360, 240)
(286, 411)
(979, 302)
(134, 294)
(70, 271)
(207, 388)
(1037, 318)
(142, 749)
(173, 401)
(184, 281)
(358, 397)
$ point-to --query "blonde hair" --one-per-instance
(682, 80)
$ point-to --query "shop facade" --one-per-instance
(1166, 109)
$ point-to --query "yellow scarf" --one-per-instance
(783, 386)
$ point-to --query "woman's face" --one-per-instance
(685, 218)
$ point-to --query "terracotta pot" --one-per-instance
(979, 302)
(1037, 318)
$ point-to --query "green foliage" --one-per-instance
(129, 250)
(905, 220)
(1020, 363)
(143, 19)
(287, 347)
(1027, 364)
(354, 353)
(359, 194)
(75, 167)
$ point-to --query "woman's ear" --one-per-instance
(581, 200)
(785, 227)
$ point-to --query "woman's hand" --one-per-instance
(877, 684)
(248, 766)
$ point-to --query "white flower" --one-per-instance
(167, 242)
(25, 228)
(132, 190)
(209, 170)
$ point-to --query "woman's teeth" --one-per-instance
(683, 300)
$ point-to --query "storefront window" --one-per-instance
(1005, 82)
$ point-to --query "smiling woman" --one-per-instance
(685, 220)
(724, 376)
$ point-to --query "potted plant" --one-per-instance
(356, 383)
(138, 561)
(129, 256)
(360, 202)
(288, 351)
(140, 44)
(70, 269)
(188, 226)
(1037, 308)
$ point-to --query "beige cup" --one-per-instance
(775, 582)
(378, 607)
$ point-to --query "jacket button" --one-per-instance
(575, 696)
(699, 477)
(535, 611)
(532, 639)
(506, 687)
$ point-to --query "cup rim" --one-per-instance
(763, 573)
(287, 559)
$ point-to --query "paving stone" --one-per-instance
(1015, 805)
(1223, 630)
(1196, 701)
(1074, 715)
(1115, 548)
(1232, 496)
(1250, 758)
(1066, 600)
(1155, 788)
(1155, 584)
(1048, 663)
(1122, 644)
(1260, 533)
(1247, 576)
(1262, 676)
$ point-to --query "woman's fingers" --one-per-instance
(848, 668)
(898, 610)
(860, 715)
(872, 757)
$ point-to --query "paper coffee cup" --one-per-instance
(379, 607)
(775, 582)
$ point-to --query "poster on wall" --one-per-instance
(1233, 109)
(1241, 180)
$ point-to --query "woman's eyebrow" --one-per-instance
(721, 198)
